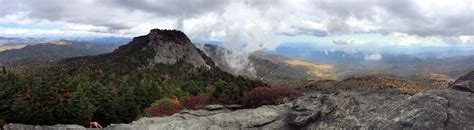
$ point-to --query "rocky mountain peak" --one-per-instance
(165, 47)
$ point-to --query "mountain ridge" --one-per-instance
(48, 51)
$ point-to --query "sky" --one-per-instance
(258, 24)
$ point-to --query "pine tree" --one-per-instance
(127, 107)
(80, 108)
(4, 70)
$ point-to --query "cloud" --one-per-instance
(350, 42)
(463, 39)
(404, 39)
(373, 57)
(297, 17)
(53, 32)
(171, 8)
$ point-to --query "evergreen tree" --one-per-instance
(80, 108)
(4, 70)
(127, 109)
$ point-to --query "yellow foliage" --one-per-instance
(317, 70)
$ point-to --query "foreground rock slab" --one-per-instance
(447, 108)
(262, 117)
(39, 127)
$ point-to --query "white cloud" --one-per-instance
(466, 39)
(463, 39)
(351, 42)
(54, 32)
(373, 57)
(85, 27)
(404, 39)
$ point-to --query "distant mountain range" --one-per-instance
(99, 40)
(52, 51)
(354, 63)
(19, 41)
(16, 41)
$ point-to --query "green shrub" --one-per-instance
(163, 107)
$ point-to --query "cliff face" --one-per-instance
(165, 47)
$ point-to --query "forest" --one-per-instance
(109, 93)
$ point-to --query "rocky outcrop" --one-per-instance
(263, 117)
(466, 77)
(385, 109)
(467, 86)
(464, 83)
(38, 127)
(164, 47)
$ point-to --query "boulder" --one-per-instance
(466, 86)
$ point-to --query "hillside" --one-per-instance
(273, 69)
(366, 82)
(51, 51)
(116, 87)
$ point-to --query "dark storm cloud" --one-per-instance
(117, 14)
(337, 16)
(9, 7)
(171, 8)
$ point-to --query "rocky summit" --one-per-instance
(164, 47)
(376, 108)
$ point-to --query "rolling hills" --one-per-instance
(273, 69)
(51, 51)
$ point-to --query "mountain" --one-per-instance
(466, 77)
(19, 41)
(270, 68)
(453, 62)
(116, 87)
(51, 51)
(101, 40)
(165, 47)
(415, 84)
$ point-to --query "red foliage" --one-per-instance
(269, 96)
(195, 102)
(163, 107)
(160, 111)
